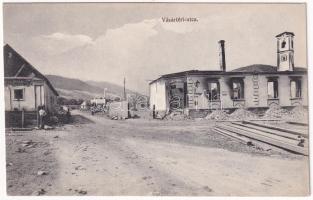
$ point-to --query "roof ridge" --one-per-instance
(32, 67)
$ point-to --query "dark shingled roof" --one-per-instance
(14, 63)
(262, 68)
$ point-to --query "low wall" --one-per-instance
(118, 109)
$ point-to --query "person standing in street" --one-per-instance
(42, 114)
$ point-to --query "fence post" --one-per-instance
(23, 117)
(128, 110)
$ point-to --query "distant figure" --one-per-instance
(67, 112)
(92, 110)
(42, 114)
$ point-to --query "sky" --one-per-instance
(110, 41)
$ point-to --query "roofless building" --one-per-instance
(255, 86)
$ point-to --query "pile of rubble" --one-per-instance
(239, 114)
(242, 114)
(299, 113)
(217, 115)
(176, 115)
(276, 112)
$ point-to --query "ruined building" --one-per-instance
(254, 86)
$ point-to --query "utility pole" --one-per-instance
(124, 89)
(104, 92)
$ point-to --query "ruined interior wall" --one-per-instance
(225, 93)
(196, 94)
(176, 93)
(284, 90)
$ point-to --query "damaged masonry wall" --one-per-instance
(215, 91)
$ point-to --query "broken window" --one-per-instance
(272, 88)
(295, 88)
(18, 94)
(238, 89)
(213, 90)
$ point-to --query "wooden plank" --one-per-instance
(277, 128)
(270, 131)
(297, 123)
(266, 120)
(286, 140)
(232, 135)
(23, 118)
(20, 70)
(18, 129)
(268, 140)
(244, 140)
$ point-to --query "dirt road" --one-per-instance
(98, 156)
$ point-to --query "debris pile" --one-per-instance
(242, 114)
(98, 108)
(299, 113)
(217, 115)
(176, 115)
(276, 112)
(117, 117)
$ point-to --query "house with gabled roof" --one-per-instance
(254, 86)
(25, 88)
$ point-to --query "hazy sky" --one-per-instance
(107, 41)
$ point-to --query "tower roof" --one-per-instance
(287, 33)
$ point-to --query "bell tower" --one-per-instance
(285, 51)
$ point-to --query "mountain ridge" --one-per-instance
(73, 88)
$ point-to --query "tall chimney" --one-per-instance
(222, 55)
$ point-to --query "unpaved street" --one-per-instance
(99, 156)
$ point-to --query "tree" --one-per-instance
(137, 101)
(62, 101)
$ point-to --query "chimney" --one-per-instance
(222, 55)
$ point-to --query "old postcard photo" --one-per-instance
(156, 99)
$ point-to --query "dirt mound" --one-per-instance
(217, 115)
(242, 114)
(276, 112)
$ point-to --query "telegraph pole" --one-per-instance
(124, 89)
